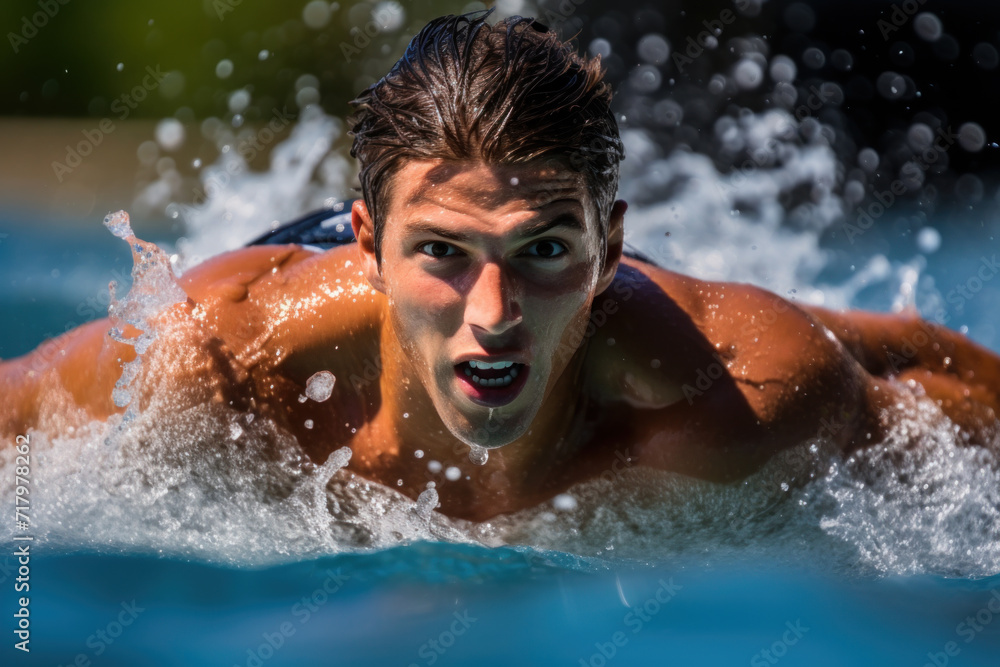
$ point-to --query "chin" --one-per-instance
(504, 426)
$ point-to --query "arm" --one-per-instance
(84, 363)
(960, 375)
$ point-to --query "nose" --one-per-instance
(491, 305)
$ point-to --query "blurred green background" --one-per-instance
(75, 59)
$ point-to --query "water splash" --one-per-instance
(133, 318)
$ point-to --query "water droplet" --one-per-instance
(320, 386)
(564, 501)
(117, 224)
(478, 455)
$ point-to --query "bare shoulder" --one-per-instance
(727, 348)
(286, 306)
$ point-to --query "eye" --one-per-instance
(438, 249)
(547, 249)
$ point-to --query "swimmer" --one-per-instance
(488, 307)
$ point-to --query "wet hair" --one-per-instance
(505, 94)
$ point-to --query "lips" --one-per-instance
(491, 383)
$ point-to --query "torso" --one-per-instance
(655, 333)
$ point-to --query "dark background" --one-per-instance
(69, 68)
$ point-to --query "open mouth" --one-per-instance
(492, 383)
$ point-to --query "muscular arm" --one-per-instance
(960, 375)
(84, 363)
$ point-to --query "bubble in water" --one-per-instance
(478, 455)
(813, 58)
(800, 17)
(118, 224)
(169, 134)
(971, 137)
(263, 55)
(120, 66)
(748, 74)
(600, 47)
(920, 136)
(985, 55)
(947, 48)
(389, 15)
(565, 502)
(320, 386)
(842, 60)
(969, 188)
(653, 49)
(224, 68)
(239, 100)
(783, 69)
(928, 26)
(669, 113)
(891, 85)
(645, 78)
(316, 14)
(308, 424)
(928, 240)
(452, 473)
(868, 159)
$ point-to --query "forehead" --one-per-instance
(476, 186)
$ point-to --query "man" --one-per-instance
(487, 304)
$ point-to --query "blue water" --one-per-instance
(495, 607)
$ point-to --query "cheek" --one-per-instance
(561, 303)
(423, 307)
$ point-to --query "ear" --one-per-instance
(616, 239)
(364, 232)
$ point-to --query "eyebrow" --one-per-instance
(568, 221)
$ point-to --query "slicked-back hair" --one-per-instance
(504, 94)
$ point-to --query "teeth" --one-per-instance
(493, 382)
(485, 364)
